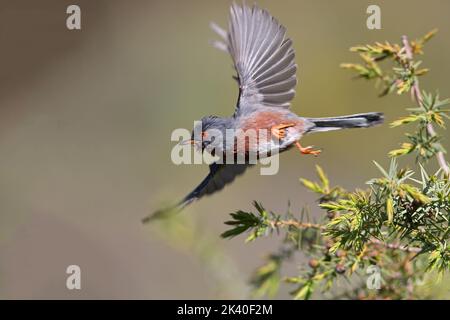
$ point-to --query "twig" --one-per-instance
(417, 96)
(305, 225)
(296, 224)
(396, 246)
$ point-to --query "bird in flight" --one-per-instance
(264, 59)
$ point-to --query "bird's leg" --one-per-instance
(307, 150)
(278, 130)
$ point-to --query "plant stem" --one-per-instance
(296, 224)
(417, 96)
(305, 225)
(396, 246)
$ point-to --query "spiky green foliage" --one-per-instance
(398, 225)
(430, 111)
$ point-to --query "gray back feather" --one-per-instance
(262, 55)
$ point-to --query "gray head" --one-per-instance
(210, 131)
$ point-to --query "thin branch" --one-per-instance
(417, 96)
(304, 225)
(295, 223)
(396, 246)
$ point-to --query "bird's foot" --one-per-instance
(308, 150)
(279, 131)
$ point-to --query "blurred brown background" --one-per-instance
(85, 124)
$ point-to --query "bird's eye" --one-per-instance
(204, 134)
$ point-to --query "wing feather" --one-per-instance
(218, 177)
(263, 57)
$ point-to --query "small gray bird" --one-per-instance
(264, 60)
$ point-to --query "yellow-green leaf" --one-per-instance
(311, 186)
(390, 209)
(404, 120)
(323, 178)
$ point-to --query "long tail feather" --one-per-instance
(361, 120)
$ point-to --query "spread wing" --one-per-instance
(219, 175)
(262, 55)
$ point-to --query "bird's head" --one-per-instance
(209, 133)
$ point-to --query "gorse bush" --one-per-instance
(388, 241)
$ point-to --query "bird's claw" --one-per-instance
(308, 150)
(279, 131)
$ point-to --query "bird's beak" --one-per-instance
(185, 142)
